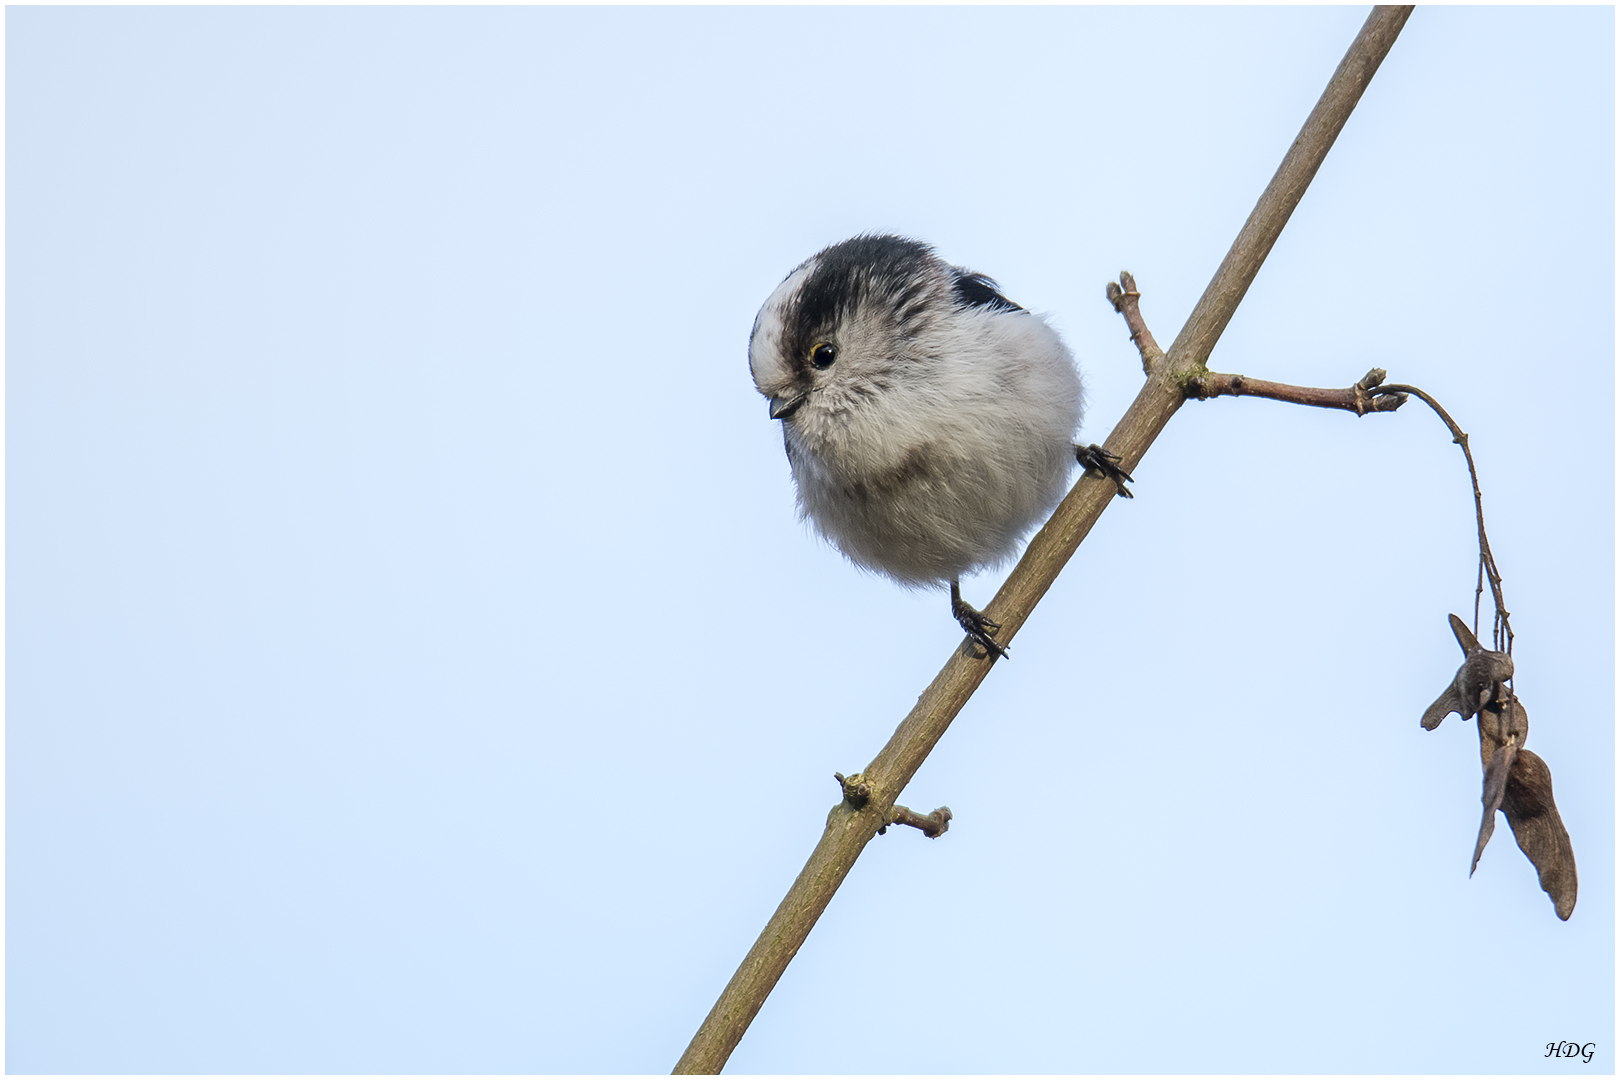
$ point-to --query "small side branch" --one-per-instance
(857, 793)
(1369, 394)
(1364, 397)
(932, 825)
(1127, 301)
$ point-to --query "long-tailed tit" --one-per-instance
(929, 420)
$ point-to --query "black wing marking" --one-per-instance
(976, 290)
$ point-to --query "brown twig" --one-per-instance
(1127, 301)
(932, 825)
(1501, 629)
(848, 829)
(1369, 394)
(1359, 399)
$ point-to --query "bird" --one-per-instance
(928, 420)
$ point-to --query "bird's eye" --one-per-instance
(823, 356)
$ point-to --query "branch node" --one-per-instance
(857, 792)
(932, 825)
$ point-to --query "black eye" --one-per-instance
(823, 356)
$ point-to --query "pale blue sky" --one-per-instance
(415, 665)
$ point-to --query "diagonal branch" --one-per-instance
(850, 829)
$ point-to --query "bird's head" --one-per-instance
(843, 327)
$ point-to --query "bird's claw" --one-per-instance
(1100, 461)
(978, 627)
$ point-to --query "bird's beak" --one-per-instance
(782, 408)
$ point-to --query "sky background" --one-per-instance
(414, 662)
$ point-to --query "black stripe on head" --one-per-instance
(976, 290)
(885, 269)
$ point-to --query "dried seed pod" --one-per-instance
(1531, 813)
(1502, 730)
(1478, 682)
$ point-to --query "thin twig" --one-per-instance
(1127, 301)
(1357, 399)
(848, 829)
(1370, 394)
(932, 825)
(1501, 629)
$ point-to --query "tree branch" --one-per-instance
(850, 829)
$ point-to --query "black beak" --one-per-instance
(781, 410)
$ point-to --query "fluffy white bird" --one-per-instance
(929, 421)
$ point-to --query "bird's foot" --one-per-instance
(1100, 461)
(978, 627)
